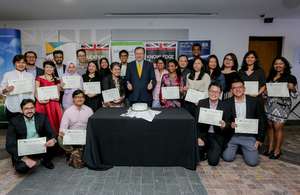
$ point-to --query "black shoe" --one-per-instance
(203, 157)
(268, 153)
(47, 164)
(275, 156)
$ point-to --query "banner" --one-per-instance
(94, 52)
(69, 50)
(116, 47)
(185, 47)
(160, 49)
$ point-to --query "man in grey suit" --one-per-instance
(244, 106)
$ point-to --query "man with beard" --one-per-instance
(30, 124)
(196, 51)
(58, 56)
(30, 59)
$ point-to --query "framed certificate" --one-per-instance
(71, 82)
(209, 116)
(278, 90)
(170, 93)
(74, 137)
(21, 86)
(46, 93)
(111, 95)
(246, 126)
(251, 87)
(31, 146)
(92, 87)
(123, 71)
(194, 96)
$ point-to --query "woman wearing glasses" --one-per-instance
(229, 70)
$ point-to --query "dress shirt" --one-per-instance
(213, 107)
(31, 130)
(60, 71)
(81, 71)
(12, 102)
(137, 64)
(240, 108)
(75, 119)
(33, 71)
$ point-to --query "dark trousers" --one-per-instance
(10, 115)
(213, 149)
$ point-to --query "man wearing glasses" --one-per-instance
(211, 138)
(82, 66)
(58, 56)
(30, 124)
(245, 107)
(30, 59)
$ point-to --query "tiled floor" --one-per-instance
(269, 177)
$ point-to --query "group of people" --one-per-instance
(143, 83)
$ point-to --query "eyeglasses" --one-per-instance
(59, 57)
(31, 108)
(238, 87)
(123, 56)
(214, 92)
(139, 54)
(30, 57)
(79, 97)
(81, 56)
(229, 59)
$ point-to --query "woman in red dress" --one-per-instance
(50, 107)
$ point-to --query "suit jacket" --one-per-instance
(39, 71)
(254, 110)
(17, 130)
(139, 85)
(64, 70)
(220, 134)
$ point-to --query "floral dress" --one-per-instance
(109, 83)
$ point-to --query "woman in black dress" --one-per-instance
(104, 69)
(229, 69)
(92, 75)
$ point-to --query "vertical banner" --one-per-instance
(10, 45)
(94, 52)
(69, 50)
(160, 49)
(185, 47)
(116, 47)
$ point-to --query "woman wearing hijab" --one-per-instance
(104, 69)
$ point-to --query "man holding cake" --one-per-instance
(140, 78)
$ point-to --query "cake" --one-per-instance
(139, 107)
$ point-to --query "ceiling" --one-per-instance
(96, 9)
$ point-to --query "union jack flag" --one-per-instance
(161, 46)
(96, 47)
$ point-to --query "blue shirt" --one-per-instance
(31, 71)
(213, 107)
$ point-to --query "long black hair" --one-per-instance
(202, 71)
(273, 72)
(97, 69)
(178, 71)
(256, 63)
(235, 61)
(51, 64)
(217, 71)
(105, 71)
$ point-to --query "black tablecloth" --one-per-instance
(169, 140)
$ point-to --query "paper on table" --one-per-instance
(278, 90)
(147, 115)
(123, 71)
(194, 96)
(21, 86)
(246, 126)
(209, 116)
(74, 137)
(92, 87)
(71, 82)
(251, 87)
(111, 95)
(31, 146)
(170, 93)
(46, 93)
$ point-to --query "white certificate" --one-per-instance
(46, 93)
(251, 87)
(170, 93)
(71, 82)
(92, 87)
(31, 146)
(123, 71)
(278, 90)
(21, 86)
(209, 116)
(194, 96)
(74, 137)
(246, 126)
(111, 95)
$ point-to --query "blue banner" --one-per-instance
(185, 47)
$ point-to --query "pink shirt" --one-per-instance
(156, 90)
(75, 119)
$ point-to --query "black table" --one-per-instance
(169, 140)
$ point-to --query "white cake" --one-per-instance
(139, 107)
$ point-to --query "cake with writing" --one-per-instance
(139, 107)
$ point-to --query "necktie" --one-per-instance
(139, 69)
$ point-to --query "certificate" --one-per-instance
(209, 116)
(92, 87)
(123, 71)
(194, 96)
(278, 90)
(251, 87)
(71, 82)
(111, 94)
(46, 93)
(74, 137)
(31, 146)
(170, 93)
(246, 126)
(21, 86)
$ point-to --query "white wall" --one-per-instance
(226, 35)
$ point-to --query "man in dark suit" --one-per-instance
(60, 69)
(30, 59)
(29, 125)
(211, 138)
(140, 78)
(244, 106)
(196, 51)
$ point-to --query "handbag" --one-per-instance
(76, 159)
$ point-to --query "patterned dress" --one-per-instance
(109, 83)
